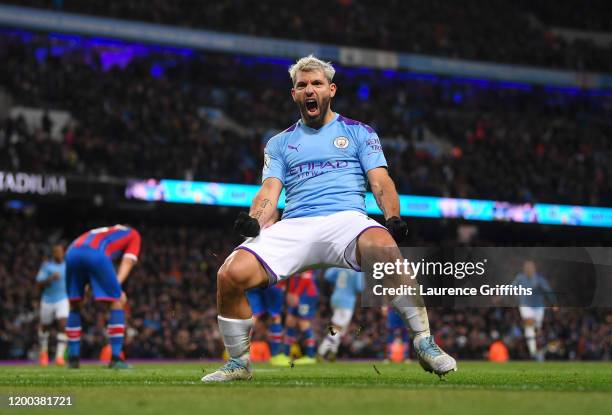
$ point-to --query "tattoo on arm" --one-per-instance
(264, 204)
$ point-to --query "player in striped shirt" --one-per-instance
(396, 328)
(90, 261)
(302, 296)
(267, 305)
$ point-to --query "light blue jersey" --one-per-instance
(541, 291)
(56, 290)
(347, 284)
(324, 170)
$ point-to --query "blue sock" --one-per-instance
(73, 331)
(116, 331)
(275, 337)
(310, 342)
(406, 341)
(289, 339)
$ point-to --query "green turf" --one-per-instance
(351, 388)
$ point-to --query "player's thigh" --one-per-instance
(394, 321)
(46, 313)
(62, 308)
(255, 298)
(538, 317)
(243, 268)
(76, 275)
(527, 313)
(104, 283)
(342, 317)
(307, 308)
(336, 238)
(274, 297)
(378, 244)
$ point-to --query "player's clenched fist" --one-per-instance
(398, 228)
(246, 225)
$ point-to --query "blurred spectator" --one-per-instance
(442, 137)
(176, 318)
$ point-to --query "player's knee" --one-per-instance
(232, 276)
(240, 272)
(290, 321)
(120, 303)
(376, 238)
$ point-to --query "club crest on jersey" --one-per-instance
(341, 142)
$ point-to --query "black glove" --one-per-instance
(246, 225)
(398, 228)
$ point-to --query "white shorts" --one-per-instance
(293, 245)
(342, 317)
(53, 311)
(533, 313)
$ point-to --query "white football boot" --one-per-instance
(233, 369)
(432, 358)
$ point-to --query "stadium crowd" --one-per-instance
(192, 115)
(140, 111)
(469, 30)
(172, 310)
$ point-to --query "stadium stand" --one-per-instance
(499, 31)
(139, 111)
(165, 115)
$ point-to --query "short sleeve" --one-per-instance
(133, 248)
(330, 275)
(274, 165)
(370, 150)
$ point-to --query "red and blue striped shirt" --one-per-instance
(112, 240)
(303, 284)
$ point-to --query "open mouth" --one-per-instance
(311, 105)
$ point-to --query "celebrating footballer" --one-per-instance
(324, 162)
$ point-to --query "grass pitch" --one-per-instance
(331, 388)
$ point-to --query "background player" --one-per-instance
(302, 297)
(89, 261)
(531, 307)
(268, 302)
(347, 285)
(53, 305)
(395, 326)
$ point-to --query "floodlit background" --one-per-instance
(495, 117)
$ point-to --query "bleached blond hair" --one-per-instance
(311, 63)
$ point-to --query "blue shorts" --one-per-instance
(307, 307)
(85, 265)
(394, 321)
(266, 301)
